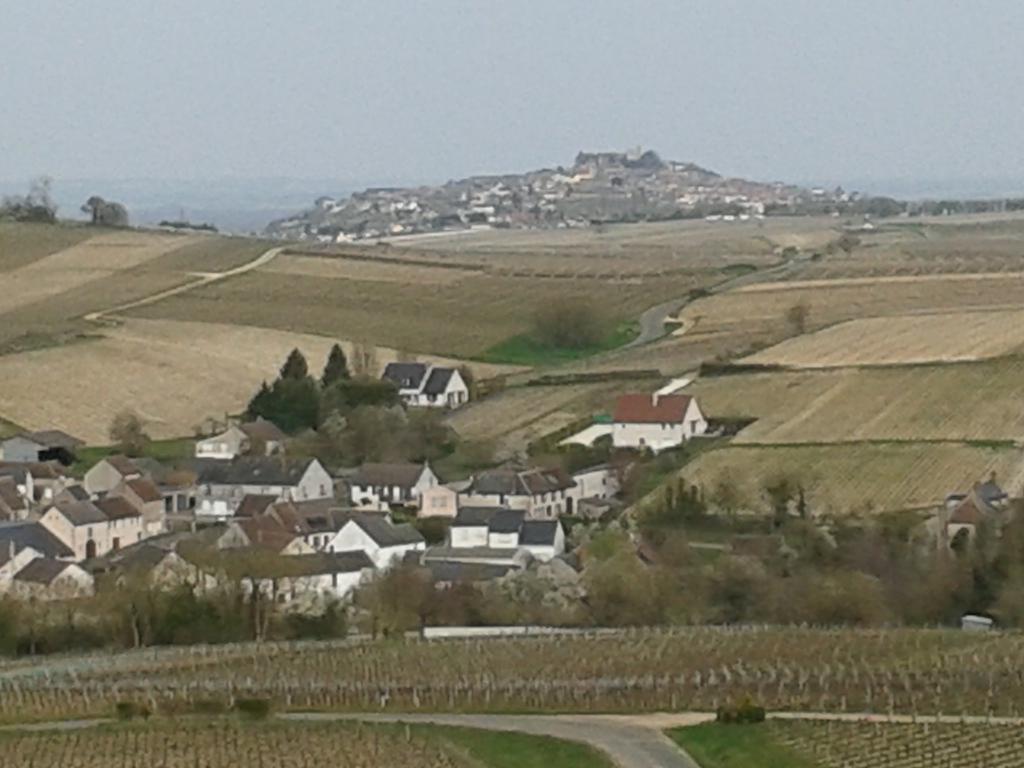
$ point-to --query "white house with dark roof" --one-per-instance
(258, 438)
(385, 543)
(427, 386)
(656, 422)
(376, 486)
(223, 484)
(44, 578)
(503, 532)
(541, 493)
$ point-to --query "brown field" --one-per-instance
(460, 319)
(518, 416)
(966, 402)
(366, 270)
(97, 258)
(174, 374)
(225, 743)
(859, 478)
(950, 337)
(212, 253)
(21, 244)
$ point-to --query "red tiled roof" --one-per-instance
(967, 513)
(648, 409)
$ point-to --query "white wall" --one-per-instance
(468, 536)
(656, 437)
(503, 540)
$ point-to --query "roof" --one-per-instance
(54, 438)
(538, 533)
(30, 534)
(116, 508)
(438, 380)
(80, 512)
(144, 556)
(313, 516)
(263, 431)
(247, 470)
(254, 504)
(405, 375)
(9, 496)
(507, 521)
(386, 534)
(531, 482)
(144, 488)
(474, 517)
(463, 554)
(42, 570)
(124, 466)
(328, 562)
(971, 511)
(375, 475)
(651, 409)
(449, 571)
(76, 492)
(265, 532)
(990, 492)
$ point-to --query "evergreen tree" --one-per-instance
(295, 367)
(259, 403)
(336, 368)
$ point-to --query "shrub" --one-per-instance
(209, 706)
(130, 710)
(257, 709)
(746, 712)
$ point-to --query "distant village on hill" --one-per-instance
(599, 188)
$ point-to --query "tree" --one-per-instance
(570, 324)
(336, 368)
(36, 206)
(295, 367)
(104, 213)
(796, 318)
(780, 492)
(126, 430)
(847, 242)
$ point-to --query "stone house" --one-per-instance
(92, 529)
(540, 493)
(223, 484)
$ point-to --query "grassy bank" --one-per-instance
(526, 349)
(736, 746)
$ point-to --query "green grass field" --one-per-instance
(736, 746)
(162, 450)
(499, 749)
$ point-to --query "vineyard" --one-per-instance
(894, 671)
(223, 743)
(895, 745)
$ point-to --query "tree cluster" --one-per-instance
(36, 206)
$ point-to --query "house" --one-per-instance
(384, 542)
(46, 579)
(541, 493)
(91, 529)
(223, 484)
(262, 533)
(656, 422)
(508, 530)
(965, 513)
(143, 494)
(257, 438)
(315, 522)
(255, 504)
(440, 501)
(427, 386)
(44, 445)
(109, 472)
(333, 575)
(33, 536)
(597, 483)
(377, 486)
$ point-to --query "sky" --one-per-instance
(413, 91)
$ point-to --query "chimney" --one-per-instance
(654, 399)
(10, 549)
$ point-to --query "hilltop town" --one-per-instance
(599, 187)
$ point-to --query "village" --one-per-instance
(242, 510)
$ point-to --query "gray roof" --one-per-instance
(538, 532)
(328, 562)
(386, 534)
(375, 475)
(81, 512)
(246, 470)
(448, 571)
(42, 570)
(405, 375)
(116, 508)
(438, 380)
(475, 517)
(507, 521)
(30, 534)
(531, 482)
(54, 438)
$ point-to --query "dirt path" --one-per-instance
(202, 279)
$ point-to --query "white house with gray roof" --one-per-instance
(375, 486)
(503, 532)
(428, 386)
(223, 484)
(383, 542)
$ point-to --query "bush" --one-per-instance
(744, 713)
(209, 707)
(257, 709)
(130, 710)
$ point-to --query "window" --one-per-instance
(116, 545)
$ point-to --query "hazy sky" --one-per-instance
(429, 90)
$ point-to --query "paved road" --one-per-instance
(652, 322)
(631, 742)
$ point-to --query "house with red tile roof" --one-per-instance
(656, 422)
